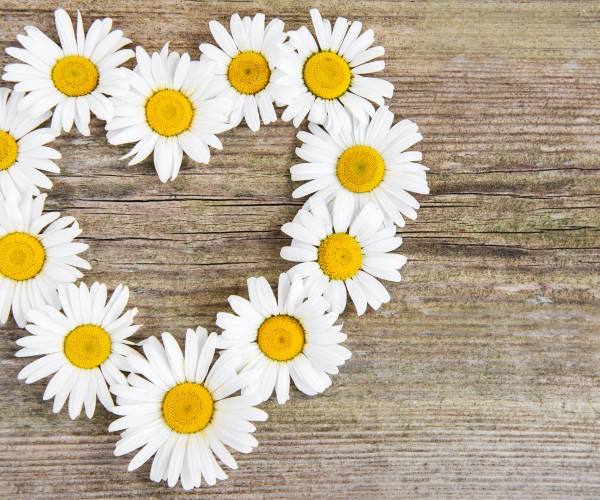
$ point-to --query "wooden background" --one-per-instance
(480, 378)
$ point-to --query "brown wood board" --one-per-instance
(479, 379)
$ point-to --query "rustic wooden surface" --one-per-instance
(481, 378)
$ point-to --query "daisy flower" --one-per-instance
(35, 261)
(23, 154)
(338, 252)
(324, 78)
(183, 411)
(84, 346)
(170, 109)
(244, 65)
(74, 78)
(368, 163)
(282, 338)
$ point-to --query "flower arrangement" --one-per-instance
(182, 407)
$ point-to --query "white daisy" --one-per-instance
(368, 163)
(244, 65)
(35, 261)
(339, 252)
(283, 338)
(170, 108)
(23, 154)
(84, 346)
(183, 412)
(324, 79)
(74, 78)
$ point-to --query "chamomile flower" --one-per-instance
(244, 66)
(24, 155)
(183, 413)
(324, 79)
(74, 78)
(170, 109)
(368, 163)
(37, 256)
(338, 252)
(283, 338)
(84, 347)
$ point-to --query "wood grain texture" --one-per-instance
(480, 378)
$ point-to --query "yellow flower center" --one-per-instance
(169, 112)
(339, 256)
(281, 337)
(188, 408)
(87, 346)
(8, 150)
(249, 72)
(327, 75)
(360, 169)
(75, 76)
(22, 256)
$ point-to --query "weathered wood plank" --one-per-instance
(481, 378)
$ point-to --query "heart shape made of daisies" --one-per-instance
(357, 169)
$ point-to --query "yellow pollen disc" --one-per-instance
(75, 76)
(339, 256)
(281, 337)
(87, 346)
(188, 408)
(169, 112)
(360, 169)
(22, 256)
(249, 72)
(327, 75)
(8, 150)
